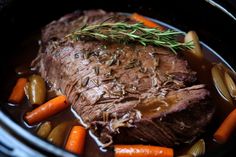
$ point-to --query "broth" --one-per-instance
(29, 48)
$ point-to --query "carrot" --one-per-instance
(46, 110)
(17, 94)
(146, 22)
(226, 129)
(142, 150)
(76, 140)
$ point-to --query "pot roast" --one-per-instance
(124, 93)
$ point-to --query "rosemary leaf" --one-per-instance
(85, 82)
(96, 70)
(124, 33)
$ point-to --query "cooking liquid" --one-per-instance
(28, 50)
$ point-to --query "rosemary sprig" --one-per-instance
(124, 32)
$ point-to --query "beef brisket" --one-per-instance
(123, 92)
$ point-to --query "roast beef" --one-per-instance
(124, 93)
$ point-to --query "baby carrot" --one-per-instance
(17, 94)
(76, 140)
(47, 109)
(226, 128)
(146, 22)
(142, 150)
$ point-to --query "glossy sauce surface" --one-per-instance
(28, 50)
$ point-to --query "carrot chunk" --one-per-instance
(146, 22)
(226, 129)
(17, 94)
(142, 150)
(76, 140)
(47, 109)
